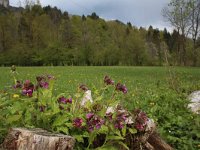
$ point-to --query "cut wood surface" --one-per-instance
(36, 139)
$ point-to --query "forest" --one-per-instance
(47, 36)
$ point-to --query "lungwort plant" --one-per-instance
(97, 121)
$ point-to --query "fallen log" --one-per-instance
(157, 142)
(36, 139)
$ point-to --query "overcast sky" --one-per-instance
(139, 12)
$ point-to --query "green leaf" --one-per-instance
(124, 131)
(85, 134)
(103, 129)
(16, 107)
(118, 132)
(79, 138)
(124, 145)
(27, 118)
(13, 118)
(63, 129)
(92, 136)
(60, 120)
(69, 125)
(99, 98)
(132, 130)
(112, 137)
(107, 147)
(77, 95)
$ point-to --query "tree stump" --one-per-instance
(36, 139)
(157, 142)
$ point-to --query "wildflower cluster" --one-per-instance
(108, 81)
(62, 100)
(43, 81)
(122, 88)
(118, 86)
(78, 122)
(120, 119)
(94, 121)
(140, 120)
(101, 117)
(28, 88)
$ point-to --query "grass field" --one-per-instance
(68, 78)
(162, 95)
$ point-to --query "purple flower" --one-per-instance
(120, 87)
(24, 92)
(64, 100)
(108, 81)
(44, 84)
(69, 100)
(140, 120)
(120, 120)
(50, 77)
(109, 115)
(28, 88)
(18, 85)
(89, 116)
(91, 128)
(119, 125)
(94, 121)
(77, 122)
(43, 81)
(99, 123)
(29, 92)
(123, 117)
(139, 127)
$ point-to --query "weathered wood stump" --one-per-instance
(36, 139)
(153, 139)
(157, 143)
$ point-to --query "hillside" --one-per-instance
(37, 36)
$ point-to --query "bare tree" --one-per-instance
(195, 26)
(19, 3)
(29, 3)
(38, 2)
(178, 13)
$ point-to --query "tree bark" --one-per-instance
(157, 143)
(36, 139)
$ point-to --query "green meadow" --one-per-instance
(159, 91)
(68, 78)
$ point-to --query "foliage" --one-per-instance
(37, 36)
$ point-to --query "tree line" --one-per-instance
(44, 36)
